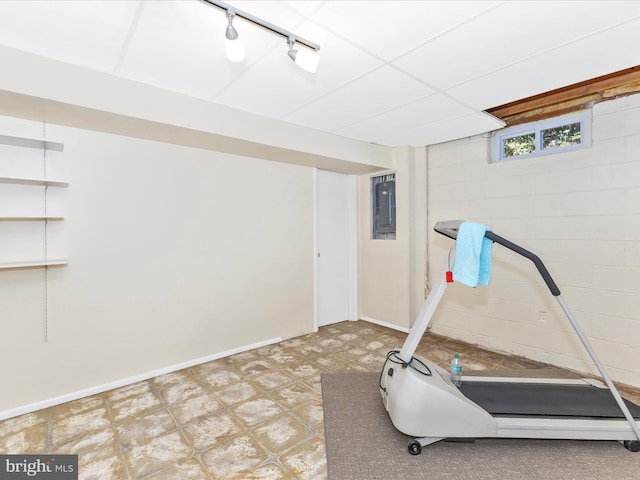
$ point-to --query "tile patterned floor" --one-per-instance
(256, 415)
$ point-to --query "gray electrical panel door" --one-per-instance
(384, 207)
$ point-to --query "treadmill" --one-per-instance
(423, 402)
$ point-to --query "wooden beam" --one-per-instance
(554, 110)
(614, 82)
(622, 90)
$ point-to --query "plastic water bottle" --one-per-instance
(456, 370)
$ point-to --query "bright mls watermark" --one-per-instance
(50, 467)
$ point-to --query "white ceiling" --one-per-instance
(391, 72)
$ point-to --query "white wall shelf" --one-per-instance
(31, 142)
(43, 182)
(28, 218)
(43, 144)
(33, 264)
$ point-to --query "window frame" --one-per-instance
(583, 117)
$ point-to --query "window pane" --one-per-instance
(563, 136)
(521, 145)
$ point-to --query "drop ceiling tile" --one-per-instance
(508, 34)
(406, 117)
(377, 92)
(180, 46)
(550, 71)
(274, 86)
(475, 55)
(388, 29)
(443, 131)
(304, 7)
(286, 15)
(83, 33)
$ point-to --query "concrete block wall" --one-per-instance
(580, 212)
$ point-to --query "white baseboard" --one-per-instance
(32, 407)
(385, 324)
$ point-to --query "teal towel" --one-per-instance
(472, 266)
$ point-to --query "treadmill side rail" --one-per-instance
(564, 428)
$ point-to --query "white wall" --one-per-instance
(175, 254)
(392, 272)
(580, 212)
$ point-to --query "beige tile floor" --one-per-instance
(254, 415)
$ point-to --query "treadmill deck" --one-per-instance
(539, 399)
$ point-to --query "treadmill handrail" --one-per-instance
(546, 276)
(450, 229)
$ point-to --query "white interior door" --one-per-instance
(336, 260)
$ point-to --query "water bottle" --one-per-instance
(456, 370)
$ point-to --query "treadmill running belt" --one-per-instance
(503, 398)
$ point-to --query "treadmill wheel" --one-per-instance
(415, 448)
(632, 445)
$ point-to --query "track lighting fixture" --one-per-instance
(232, 44)
(306, 58)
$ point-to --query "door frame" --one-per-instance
(352, 253)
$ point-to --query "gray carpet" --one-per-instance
(362, 444)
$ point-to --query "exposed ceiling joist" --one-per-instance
(571, 98)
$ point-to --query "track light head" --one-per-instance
(232, 44)
(231, 33)
(306, 58)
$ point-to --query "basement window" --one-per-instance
(383, 207)
(553, 135)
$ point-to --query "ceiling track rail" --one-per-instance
(269, 26)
